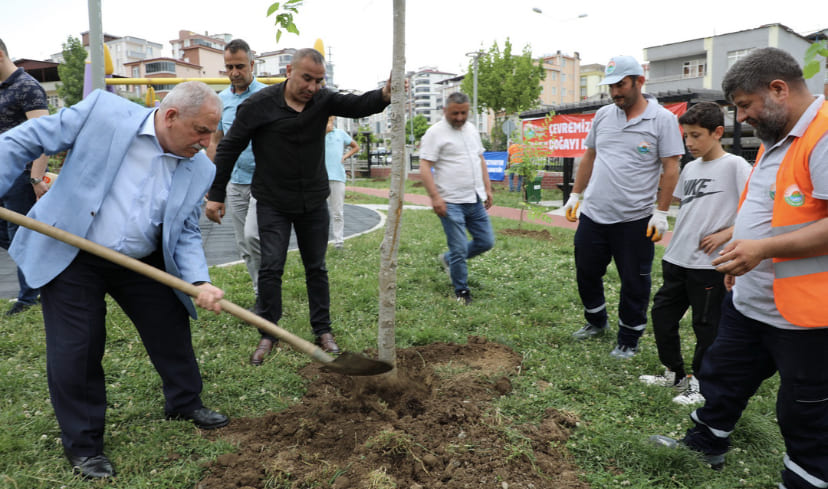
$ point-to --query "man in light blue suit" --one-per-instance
(133, 181)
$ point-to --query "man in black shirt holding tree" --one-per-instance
(286, 123)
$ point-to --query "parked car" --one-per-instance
(381, 155)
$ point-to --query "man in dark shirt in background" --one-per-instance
(21, 98)
(286, 123)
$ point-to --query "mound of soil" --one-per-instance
(432, 427)
(541, 235)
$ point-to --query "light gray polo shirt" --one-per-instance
(753, 292)
(627, 166)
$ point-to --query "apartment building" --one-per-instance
(125, 49)
(563, 78)
(203, 50)
(275, 63)
(702, 63)
(591, 76)
(427, 93)
(46, 73)
(160, 68)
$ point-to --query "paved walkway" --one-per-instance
(220, 245)
(552, 218)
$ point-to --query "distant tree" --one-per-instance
(506, 84)
(363, 142)
(420, 127)
(71, 71)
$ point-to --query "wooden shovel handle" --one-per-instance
(300, 344)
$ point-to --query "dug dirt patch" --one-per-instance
(541, 235)
(434, 427)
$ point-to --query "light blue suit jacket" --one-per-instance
(98, 132)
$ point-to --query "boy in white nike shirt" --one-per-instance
(709, 189)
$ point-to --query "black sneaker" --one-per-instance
(17, 308)
(588, 331)
(624, 352)
(716, 462)
(464, 297)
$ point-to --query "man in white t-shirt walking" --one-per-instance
(631, 143)
(460, 190)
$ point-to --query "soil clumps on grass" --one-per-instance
(540, 235)
(434, 426)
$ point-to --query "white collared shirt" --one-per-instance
(458, 172)
(130, 217)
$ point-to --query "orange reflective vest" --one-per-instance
(515, 154)
(800, 284)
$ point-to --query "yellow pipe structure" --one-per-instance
(175, 81)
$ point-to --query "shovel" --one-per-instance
(346, 363)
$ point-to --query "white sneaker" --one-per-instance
(664, 380)
(691, 394)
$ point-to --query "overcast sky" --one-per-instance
(439, 33)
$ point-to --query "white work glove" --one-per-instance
(657, 226)
(571, 207)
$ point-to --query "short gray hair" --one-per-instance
(457, 98)
(755, 72)
(3, 48)
(188, 97)
(311, 53)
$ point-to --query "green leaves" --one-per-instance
(812, 61)
(420, 124)
(284, 17)
(71, 71)
(506, 82)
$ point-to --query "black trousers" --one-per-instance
(74, 313)
(743, 355)
(311, 229)
(701, 290)
(628, 245)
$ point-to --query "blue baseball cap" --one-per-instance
(620, 67)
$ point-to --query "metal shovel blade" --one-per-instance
(348, 363)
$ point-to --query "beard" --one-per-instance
(771, 122)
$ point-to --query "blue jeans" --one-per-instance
(626, 243)
(20, 198)
(311, 229)
(744, 354)
(515, 182)
(459, 219)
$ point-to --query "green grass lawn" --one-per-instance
(502, 197)
(525, 297)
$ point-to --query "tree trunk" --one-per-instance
(386, 341)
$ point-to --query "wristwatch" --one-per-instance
(35, 181)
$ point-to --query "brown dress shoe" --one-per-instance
(327, 343)
(264, 348)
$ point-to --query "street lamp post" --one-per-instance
(475, 56)
(411, 112)
(540, 11)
